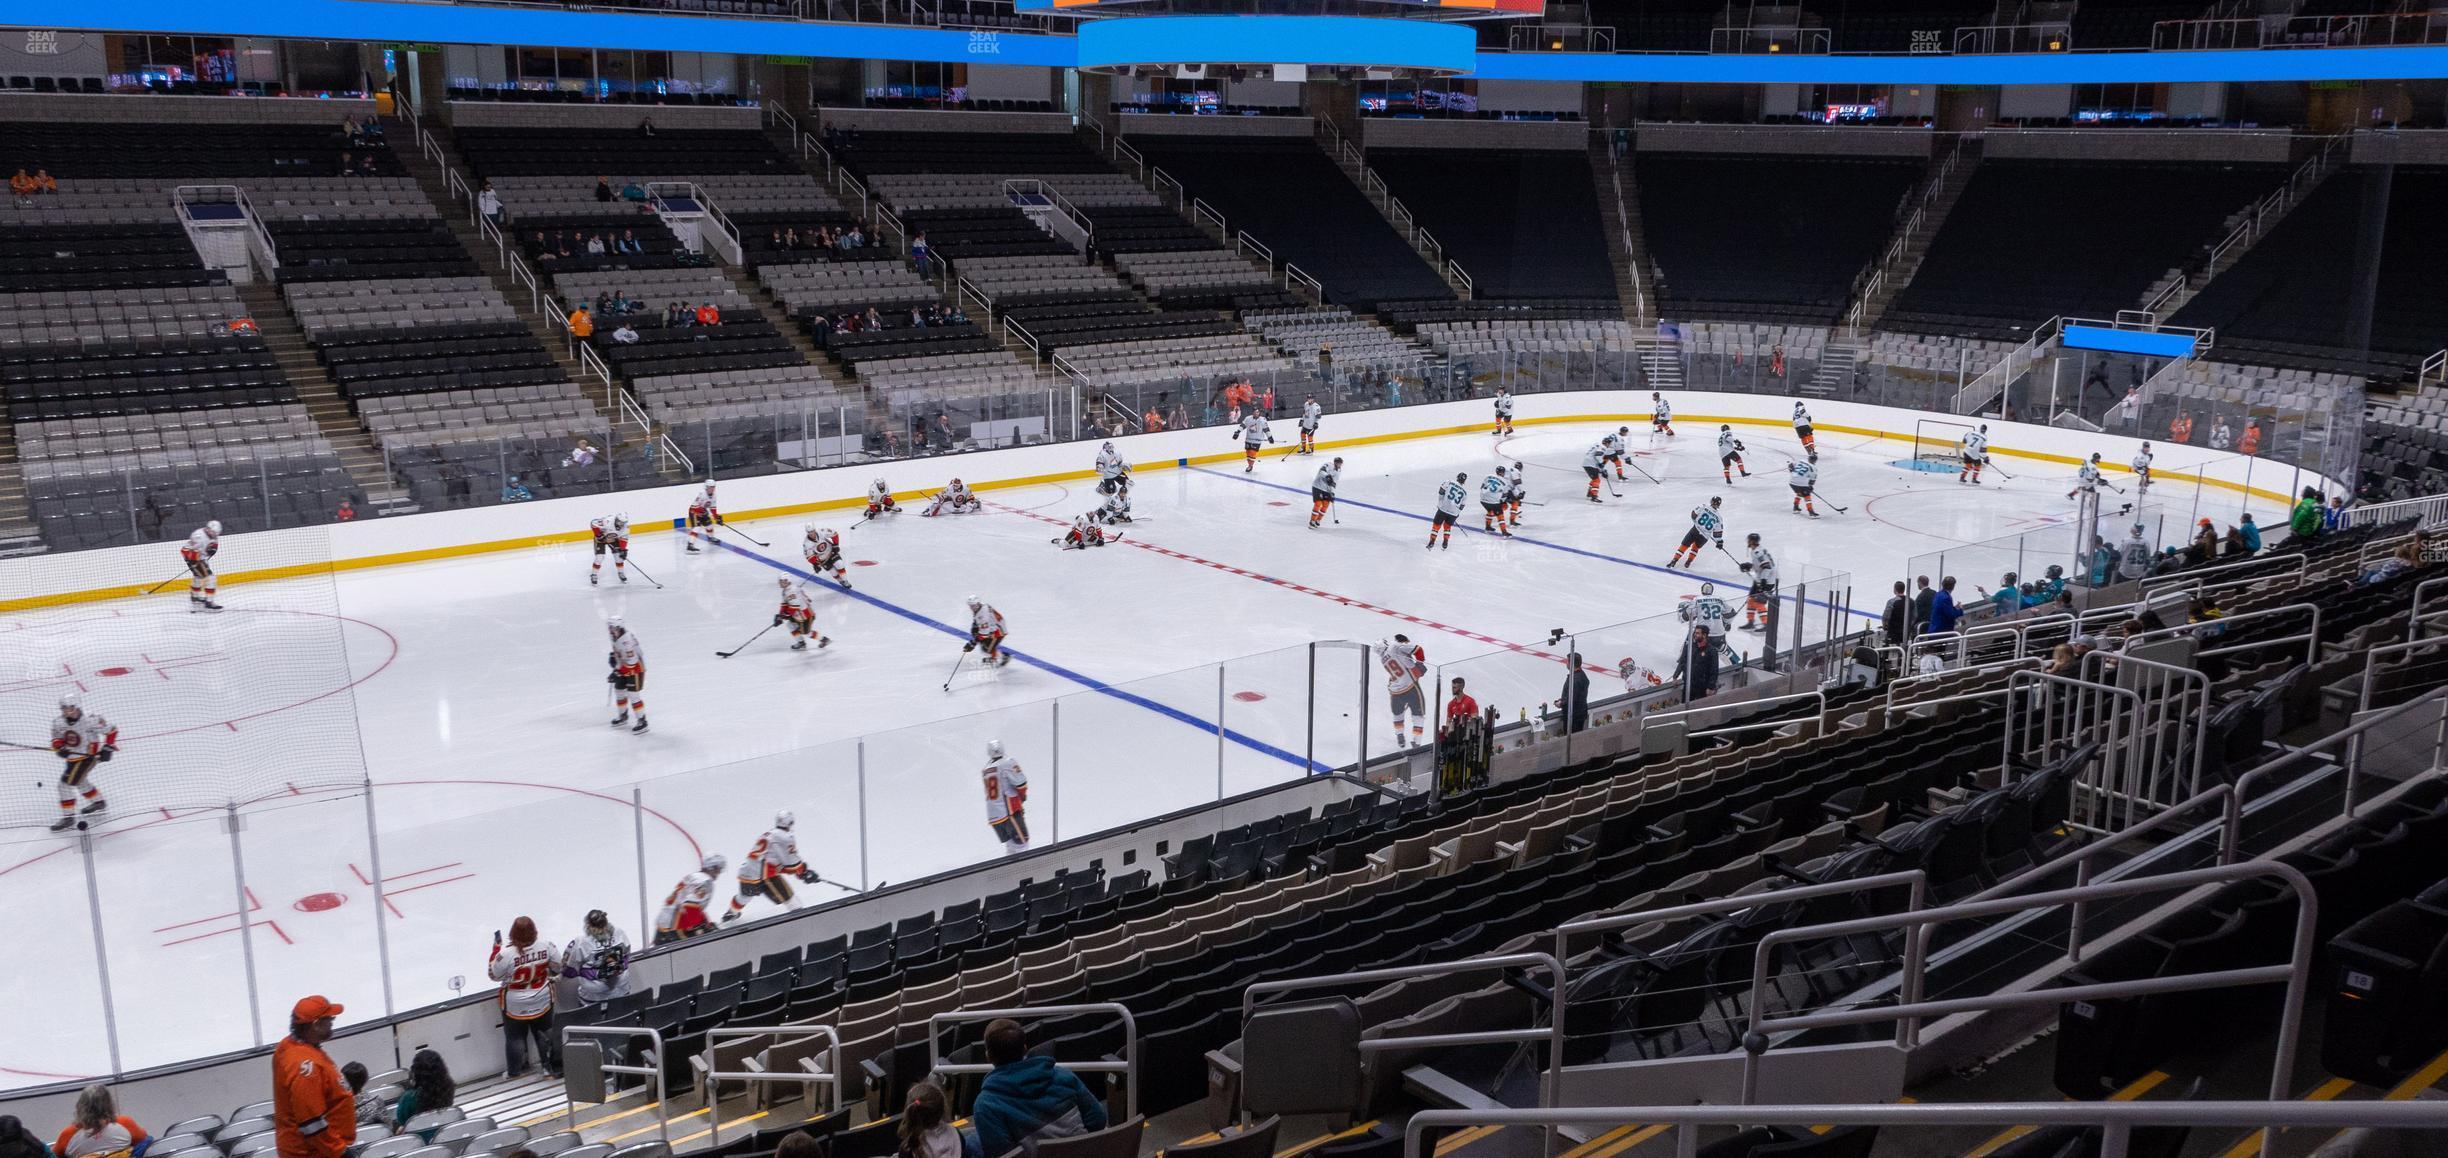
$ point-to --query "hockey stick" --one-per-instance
(643, 575)
(744, 646)
(744, 535)
(1609, 480)
(1721, 549)
(167, 582)
(1644, 474)
(1833, 507)
(957, 663)
(27, 747)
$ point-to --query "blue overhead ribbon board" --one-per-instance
(2149, 343)
(1308, 40)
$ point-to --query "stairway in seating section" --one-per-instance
(1834, 377)
(321, 397)
(1627, 246)
(17, 533)
(1661, 362)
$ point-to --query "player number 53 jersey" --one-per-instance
(1450, 498)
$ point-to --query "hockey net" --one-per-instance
(1938, 445)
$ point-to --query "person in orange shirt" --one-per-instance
(44, 182)
(1153, 421)
(23, 185)
(2181, 430)
(707, 315)
(2250, 441)
(581, 324)
(313, 1113)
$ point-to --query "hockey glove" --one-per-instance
(777, 621)
(808, 875)
(1744, 566)
(106, 753)
(969, 646)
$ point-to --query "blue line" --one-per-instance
(1085, 681)
(1601, 557)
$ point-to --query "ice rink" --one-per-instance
(471, 693)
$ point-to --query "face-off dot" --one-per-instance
(320, 902)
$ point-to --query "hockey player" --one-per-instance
(1310, 413)
(2142, 471)
(1492, 491)
(822, 546)
(1113, 471)
(1803, 431)
(1254, 430)
(1115, 510)
(82, 739)
(1618, 444)
(202, 582)
(1593, 464)
(1709, 611)
(880, 500)
(598, 959)
(702, 513)
(611, 538)
(954, 499)
(2134, 555)
(1006, 798)
(1761, 566)
(1706, 528)
(800, 612)
(684, 911)
(2087, 478)
(1084, 533)
(1803, 478)
(1729, 454)
(768, 868)
(1504, 413)
(1974, 451)
(1661, 416)
(628, 678)
(1405, 665)
(986, 631)
(1450, 498)
(1515, 491)
(1322, 490)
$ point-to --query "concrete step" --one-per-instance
(319, 393)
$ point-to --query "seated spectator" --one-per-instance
(2333, 516)
(944, 432)
(787, 238)
(347, 512)
(584, 453)
(874, 320)
(707, 315)
(18, 1142)
(369, 1106)
(44, 182)
(603, 303)
(633, 191)
(349, 130)
(603, 189)
(595, 245)
(820, 327)
(98, 1129)
(2406, 557)
(918, 318)
(926, 1126)
(646, 127)
(543, 247)
(824, 237)
(1026, 1100)
(365, 167)
(581, 324)
(629, 243)
(513, 491)
(372, 128)
(430, 1085)
(243, 328)
(853, 238)
(488, 203)
(2249, 534)
(625, 335)
(23, 185)
(2220, 436)
(675, 316)
(348, 164)
(2205, 544)
(2250, 443)
(778, 243)
(562, 243)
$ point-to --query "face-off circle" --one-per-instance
(166, 673)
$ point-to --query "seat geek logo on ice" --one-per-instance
(985, 44)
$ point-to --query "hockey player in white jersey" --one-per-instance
(1115, 510)
(954, 499)
(2134, 555)
(1492, 491)
(197, 553)
(702, 514)
(2087, 477)
(1254, 431)
(1617, 446)
(880, 500)
(1006, 798)
(768, 868)
(1803, 431)
(1450, 497)
(1661, 415)
(986, 630)
(598, 960)
(822, 546)
(1761, 567)
(628, 676)
(1593, 464)
(1322, 491)
(1504, 412)
(2142, 471)
(1084, 533)
(1113, 471)
(1803, 479)
(1311, 413)
(799, 612)
(1405, 666)
(1708, 610)
(684, 912)
(1707, 529)
(1974, 450)
(1516, 489)
(1730, 454)
(83, 741)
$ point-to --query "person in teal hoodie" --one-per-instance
(1028, 1098)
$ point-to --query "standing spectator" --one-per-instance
(488, 203)
(2251, 442)
(918, 252)
(1459, 706)
(1697, 666)
(2180, 429)
(2220, 436)
(348, 510)
(2007, 599)
(313, 1113)
(1895, 619)
(707, 315)
(430, 1087)
(1923, 597)
(1026, 1099)
(1944, 615)
(2131, 408)
(943, 430)
(581, 324)
(370, 1109)
(1572, 703)
(526, 974)
(2333, 517)
(926, 1126)
(603, 189)
(18, 1142)
(98, 1128)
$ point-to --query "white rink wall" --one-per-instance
(93, 575)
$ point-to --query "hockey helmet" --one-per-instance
(714, 864)
(1752, 538)
(956, 482)
(811, 529)
(784, 583)
(2146, 446)
(2054, 572)
(1653, 394)
(1108, 445)
(975, 603)
(1716, 501)
(994, 749)
(1984, 428)
(1461, 476)
(1079, 520)
(1623, 430)
(1338, 460)
(212, 527)
(1708, 589)
(1724, 426)
(879, 482)
(614, 625)
(620, 522)
(70, 704)
(709, 486)
(598, 919)
(784, 820)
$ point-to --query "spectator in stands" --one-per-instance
(2406, 557)
(1922, 598)
(1025, 1099)
(2130, 410)
(918, 252)
(1944, 615)
(349, 130)
(370, 1109)
(707, 315)
(347, 512)
(1095, 429)
(581, 324)
(2063, 660)
(348, 164)
(543, 247)
(2250, 533)
(603, 189)
(628, 243)
(1776, 360)
(595, 245)
(44, 182)
(313, 1113)
(2220, 436)
(23, 185)
(873, 320)
(2205, 546)
(2180, 429)
(943, 430)
(603, 304)
(584, 453)
(98, 1128)
(1154, 419)
(633, 191)
(488, 203)
(515, 491)
(365, 166)
(796, 1144)
(853, 238)
(646, 127)
(2006, 600)
(243, 328)
(18, 1142)
(821, 239)
(926, 1126)
(675, 316)
(2251, 442)
(917, 318)
(562, 243)
(1572, 700)
(2103, 561)
(430, 1088)
(625, 334)
(1894, 620)
(778, 243)
(1697, 666)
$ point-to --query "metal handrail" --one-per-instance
(1125, 151)
(1429, 246)
(654, 1073)
(1013, 329)
(2371, 664)
(1294, 274)
(2120, 731)
(520, 273)
(2150, 739)
(1789, 697)
(1553, 1034)
(2192, 576)
(831, 1079)
(1161, 179)
(1203, 213)
(1470, 289)
(1243, 243)
(1917, 880)
(2415, 614)
(2426, 508)
(1128, 1067)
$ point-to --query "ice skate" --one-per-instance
(95, 807)
(640, 726)
(620, 719)
(799, 646)
(594, 580)
(730, 916)
(64, 823)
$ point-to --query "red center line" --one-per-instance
(1344, 600)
